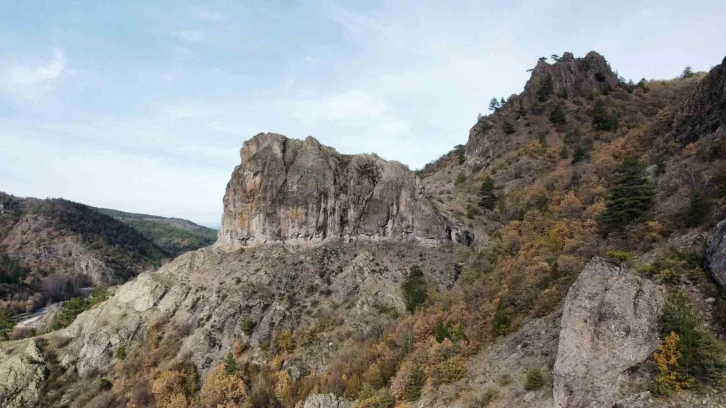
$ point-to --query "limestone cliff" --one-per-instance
(301, 192)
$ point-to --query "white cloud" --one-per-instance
(204, 13)
(191, 36)
(33, 82)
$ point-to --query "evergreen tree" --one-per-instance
(602, 119)
(555, 57)
(546, 89)
(631, 196)
(558, 116)
(508, 128)
(687, 72)
(7, 323)
(414, 289)
(580, 154)
(230, 364)
(494, 105)
(563, 152)
(698, 209)
(502, 102)
(501, 320)
(487, 196)
(460, 153)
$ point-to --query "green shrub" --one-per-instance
(121, 352)
(247, 325)
(501, 320)
(558, 117)
(508, 128)
(414, 289)
(487, 195)
(534, 380)
(416, 378)
(580, 154)
(230, 365)
(701, 354)
(460, 178)
(621, 256)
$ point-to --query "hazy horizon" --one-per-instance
(143, 107)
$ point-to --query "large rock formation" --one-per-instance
(715, 260)
(22, 373)
(567, 77)
(704, 110)
(294, 191)
(609, 324)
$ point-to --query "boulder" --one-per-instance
(326, 401)
(22, 375)
(715, 259)
(609, 324)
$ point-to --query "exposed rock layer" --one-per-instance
(609, 324)
(704, 110)
(715, 260)
(294, 191)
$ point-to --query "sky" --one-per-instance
(142, 106)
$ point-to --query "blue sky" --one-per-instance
(142, 106)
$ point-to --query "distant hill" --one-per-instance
(174, 235)
(51, 248)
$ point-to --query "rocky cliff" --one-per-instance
(565, 78)
(301, 192)
(715, 260)
(703, 111)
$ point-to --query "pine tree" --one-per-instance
(687, 72)
(698, 209)
(230, 365)
(414, 289)
(630, 198)
(558, 116)
(494, 105)
(487, 196)
(602, 119)
(546, 89)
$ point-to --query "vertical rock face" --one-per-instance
(715, 260)
(298, 192)
(609, 324)
(704, 110)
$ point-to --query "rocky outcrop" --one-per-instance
(567, 77)
(715, 260)
(326, 401)
(22, 374)
(301, 192)
(703, 111)
(609, 324)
